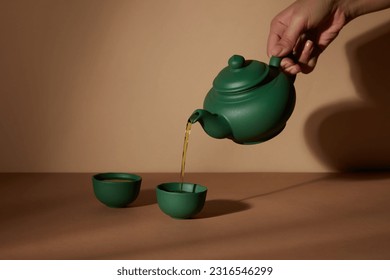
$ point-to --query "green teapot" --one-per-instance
(250, 101)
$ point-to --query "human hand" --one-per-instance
(304, 29)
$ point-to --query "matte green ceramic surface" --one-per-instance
(181, 203)
(250, 102)
(116, 189)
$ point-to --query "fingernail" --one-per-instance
(293, 69)
(308, 46)
(284, 63)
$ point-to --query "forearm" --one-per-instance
(355, 8)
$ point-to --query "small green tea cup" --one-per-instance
(116, 189)
(181, 200)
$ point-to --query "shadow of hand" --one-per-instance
(353, 136)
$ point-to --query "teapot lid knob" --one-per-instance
(240, 75)
(236, 61)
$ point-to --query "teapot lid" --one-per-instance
(240, 74)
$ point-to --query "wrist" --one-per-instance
(349, 8)
(355, 8)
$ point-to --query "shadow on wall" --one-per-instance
(355, 136)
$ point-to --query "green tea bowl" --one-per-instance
(116, 190)
(181, 200)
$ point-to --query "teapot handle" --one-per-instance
(275, 62)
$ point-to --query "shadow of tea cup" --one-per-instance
(181, 200)
(116, 189)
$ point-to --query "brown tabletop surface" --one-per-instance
(246, 216)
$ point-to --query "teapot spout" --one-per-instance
(197, 116)
(214, 125)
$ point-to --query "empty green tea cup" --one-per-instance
(181, 200)
(116, 189)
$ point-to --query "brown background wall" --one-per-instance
(96, 85)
